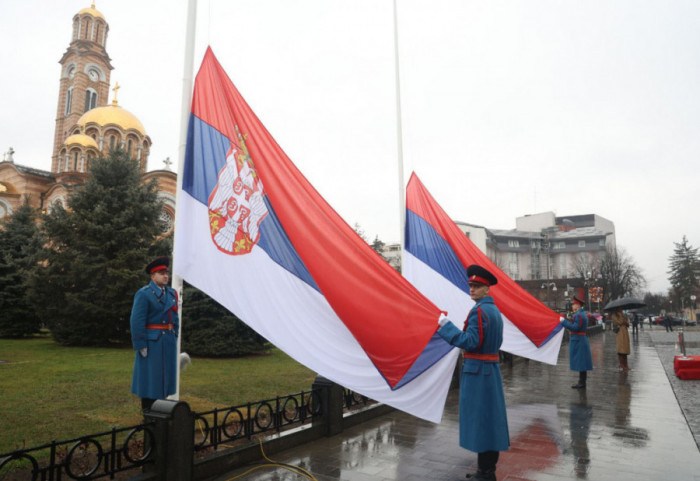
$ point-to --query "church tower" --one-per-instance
(85, 75)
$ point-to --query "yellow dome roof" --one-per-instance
(112, 114)
(92, 11)
(81, 139)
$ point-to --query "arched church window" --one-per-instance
(69, 100)
(112, 140)
(90, 99)
(75, 160)
(128, 147)
(167, 219)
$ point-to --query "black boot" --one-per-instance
(581, 381)
(482, 475)
(486, 462)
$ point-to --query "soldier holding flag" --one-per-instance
(483, 425)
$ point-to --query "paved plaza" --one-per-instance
(640, 426)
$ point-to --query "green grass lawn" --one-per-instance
(49, 392)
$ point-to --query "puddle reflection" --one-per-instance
(629, 435)
(536, 437)
(580, 417)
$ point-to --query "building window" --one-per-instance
(562, 266)
(558, 245)
(601, 242)
(582, 243)
(90, 99)
(167, 219)
(69, 100)
(111, 142)
(513, 243)
(513, 265)
(128, 147)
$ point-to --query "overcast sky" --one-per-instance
(508, 108)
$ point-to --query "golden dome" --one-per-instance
(81, 139)
(111, 114)
(92, 11)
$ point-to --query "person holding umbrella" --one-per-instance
(580, 358)
(620, 324)
(622, 337)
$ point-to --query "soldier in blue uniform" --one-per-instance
(154, 329)
(483, 425)
(580, 358)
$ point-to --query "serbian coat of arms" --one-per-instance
(236, 205)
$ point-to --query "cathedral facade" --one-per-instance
(87, 127)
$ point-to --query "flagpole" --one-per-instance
(185, 110)
(399, 140)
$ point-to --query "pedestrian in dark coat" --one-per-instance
(667, 323)
(580, 358)
(483, 425)
(155, 325)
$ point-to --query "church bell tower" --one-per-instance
(85, 75)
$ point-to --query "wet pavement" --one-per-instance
(625, 426)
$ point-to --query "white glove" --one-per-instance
(143, 351)
(185, 361)
(561, 320)
(442, 320)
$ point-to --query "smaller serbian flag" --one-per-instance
(254, 235)
(436, 256)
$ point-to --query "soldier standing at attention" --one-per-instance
(483, 425)
(154, 329)
(580, 358)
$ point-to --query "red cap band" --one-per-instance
(480, 280)
(159, 268)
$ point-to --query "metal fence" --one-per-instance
(218, 426)
(87, 457)
(105, 454)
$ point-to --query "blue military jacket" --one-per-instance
(580, 358)
(155, 375)
(483, 424)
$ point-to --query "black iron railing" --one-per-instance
(353, 399)
(218, 426)
(145, 446)
(88, 457)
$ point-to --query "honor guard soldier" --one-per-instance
(155, 326)
(483, 425)
(580, 358)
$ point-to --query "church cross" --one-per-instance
(115, 90)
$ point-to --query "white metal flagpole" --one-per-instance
(399, 140)
(187, 82)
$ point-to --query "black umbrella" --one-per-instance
(624, 303)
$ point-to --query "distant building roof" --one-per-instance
(554, 234)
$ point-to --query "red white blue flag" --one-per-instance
(436, 256)
(254, 234)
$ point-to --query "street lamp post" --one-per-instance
(547, 285)
(692, 306)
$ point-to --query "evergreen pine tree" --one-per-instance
(95, 253)
(683, 270)
(19, 242)
(210, 330)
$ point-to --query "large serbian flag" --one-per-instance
(258, 238)
(436, 256)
